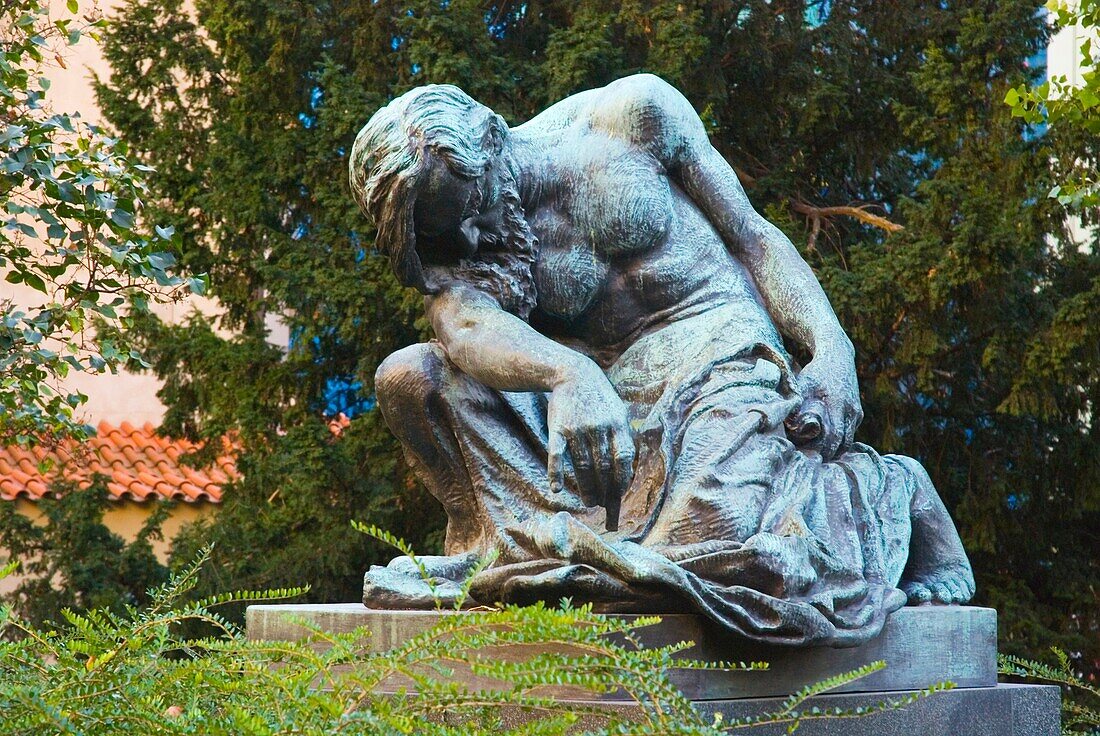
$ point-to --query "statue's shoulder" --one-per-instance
(642, 109)
(644, 93)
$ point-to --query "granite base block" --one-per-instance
(1003, 710)
(920, 646)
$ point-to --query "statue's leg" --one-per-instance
(938, 570)
(481, 452)
(408, 385)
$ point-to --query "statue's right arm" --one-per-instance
(587, 431)
(499, 349)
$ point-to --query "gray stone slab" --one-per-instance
(920, 646)
(1004, 710)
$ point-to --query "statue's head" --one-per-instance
(428, 169)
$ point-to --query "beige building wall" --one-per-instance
(124, 518)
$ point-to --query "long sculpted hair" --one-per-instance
(391, 159)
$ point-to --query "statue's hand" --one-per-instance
(588, 428)
(830, 411)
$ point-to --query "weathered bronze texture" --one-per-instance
(608, 412)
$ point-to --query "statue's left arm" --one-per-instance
(665, 122)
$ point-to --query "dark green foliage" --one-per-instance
(976, 346)
(288, 520)
(959, 324)
(70, 559)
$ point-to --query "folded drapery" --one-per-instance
(725, 516)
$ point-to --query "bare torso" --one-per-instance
(623, 249)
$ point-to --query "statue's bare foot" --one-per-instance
(938, 571)
(947, 585)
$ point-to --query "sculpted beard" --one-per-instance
(502, 266)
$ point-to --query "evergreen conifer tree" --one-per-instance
(874, 134)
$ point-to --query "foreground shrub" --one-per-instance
(71, 558)
(132, 672)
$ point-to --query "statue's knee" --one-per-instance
(408, 377)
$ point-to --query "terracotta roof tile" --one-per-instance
(139, 465)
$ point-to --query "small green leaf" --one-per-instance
(161, 261)
(34, 281)
(1089, 99)
(198, 284)
(122, 218)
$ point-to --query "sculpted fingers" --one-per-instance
(602, 455)
(833, 436)
(954, 590)
(849, 430)
(584, 419)
(556, 462)
(599, 443)
(855, 418)
(806, 425)
(622, 474)
(623, 462)
(918, 593)
(584, 466)
(968, 588)
(940, 592)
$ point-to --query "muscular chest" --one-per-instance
(613, 201)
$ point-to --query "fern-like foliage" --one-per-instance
(135, 672)
(1080, 700)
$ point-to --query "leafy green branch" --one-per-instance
(1069, 104)
(70, 231)
(537, 669)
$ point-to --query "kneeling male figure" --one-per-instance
(609, 411)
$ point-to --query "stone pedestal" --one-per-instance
(920, 646)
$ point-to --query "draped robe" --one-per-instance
(725, 516)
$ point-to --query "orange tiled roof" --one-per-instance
(138, 465)
(338, 424)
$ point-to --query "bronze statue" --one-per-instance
(608, 412)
